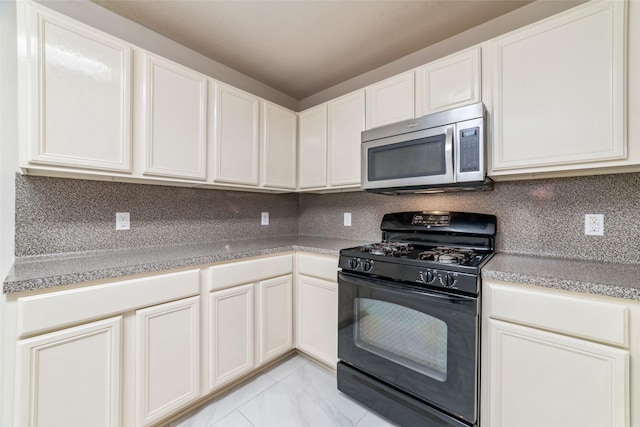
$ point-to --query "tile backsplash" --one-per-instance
(538, 217)
(55, 215)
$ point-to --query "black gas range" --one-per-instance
(408, 317)
(435, 249)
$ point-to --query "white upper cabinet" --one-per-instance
(559, 92)
(450, 82)
(312, 146)
(237, 136)
(391, 100)
(175, 120)
(346, 123)
(279, 142)
(329, 143)
(75, 93)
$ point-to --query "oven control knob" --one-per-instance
(367, 265)
(427, 276)
(448, 280)
(353, 263)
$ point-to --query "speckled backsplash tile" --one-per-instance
(537, 217)
(55, 215)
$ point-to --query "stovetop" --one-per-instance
(446, 255)
(434, 249)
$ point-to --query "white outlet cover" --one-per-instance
(264, 220)
(347, 219)
(122, 220)
(594, 224)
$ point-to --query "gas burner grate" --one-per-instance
(448, 255)
(387, 248)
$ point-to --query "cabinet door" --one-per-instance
(175, 114)
(71, 377)
(274, 311)
(391, 100)
(317, 318)
(231, 334)
(450, 82)
(312, 164)
(544, 379)
(236, 144)
(167, 358)
(346, 123)
(77, 92)
(279, 141)
(559, 91)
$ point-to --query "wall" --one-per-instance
(8, 132)
(539, 217)
(56, 215)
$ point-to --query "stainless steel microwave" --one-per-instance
(440, 152)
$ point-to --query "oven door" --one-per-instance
(422, 342)
(413, 159)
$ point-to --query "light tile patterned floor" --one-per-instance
(294, 393)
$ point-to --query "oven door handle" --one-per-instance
(374, 283)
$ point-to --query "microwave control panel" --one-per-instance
(470, 150)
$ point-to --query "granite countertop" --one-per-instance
(42, 272)
(591, 277)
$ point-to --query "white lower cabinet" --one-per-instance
(554, 359)
(167, 358)
(249, 316)
(231, 334)
(71, 377)
(274, 317)
(546, 379)
(317, 307)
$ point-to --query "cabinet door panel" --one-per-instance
(231, 334)
(559, 91)
(545, 379)
(346, 123)
(275, 317)
(237, 136)
(317, 318)
(312, 164)
(175, 120)
(448, 83)
(71, 377)
(167, 358)
(79, 95)
(391, 100)
(279, 147)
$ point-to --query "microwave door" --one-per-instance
(412, 159)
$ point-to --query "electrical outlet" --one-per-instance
(265, 218)
(122, 220)
(347, 219)
(594, 224)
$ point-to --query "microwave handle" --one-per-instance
(448, 153)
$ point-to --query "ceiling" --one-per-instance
(301, 47)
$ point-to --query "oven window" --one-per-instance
(405, 336)
(422, 157)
